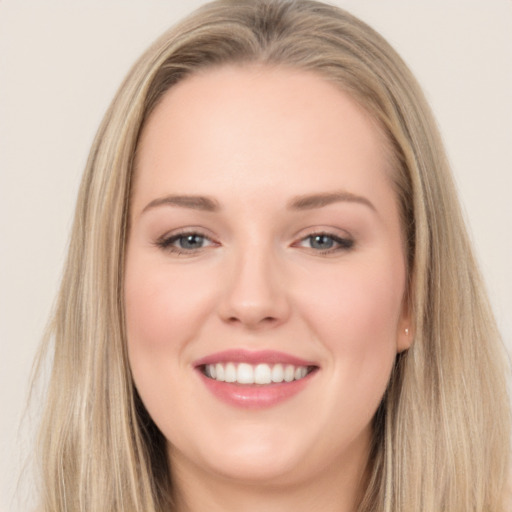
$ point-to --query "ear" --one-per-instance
(405, 328)
(404, 340)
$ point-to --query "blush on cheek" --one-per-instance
(358, 305)
(151, 306)
(143, 319)
(359, 326)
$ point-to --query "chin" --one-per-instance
(260, 456)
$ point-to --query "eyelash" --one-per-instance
(342, 244)
(166, 243)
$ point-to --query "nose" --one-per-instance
(255, 294)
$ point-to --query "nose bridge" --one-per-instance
(255, 294)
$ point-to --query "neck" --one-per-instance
(335, 489)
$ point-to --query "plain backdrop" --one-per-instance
(60, 65)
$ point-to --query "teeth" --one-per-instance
(278, 373)
(219, 372)
(262, 374)
(300, 373)
(289, 373)
(244, 373)
(230, 373)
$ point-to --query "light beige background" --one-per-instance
(60, 64)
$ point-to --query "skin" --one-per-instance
(255, 139)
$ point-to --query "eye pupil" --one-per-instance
(322, 242)
(191, 241)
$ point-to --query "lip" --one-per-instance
(252, 357)
(254, 396)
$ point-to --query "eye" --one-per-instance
(325, 243)
(185, 243)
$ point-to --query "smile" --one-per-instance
(253, 380)
(244, 373)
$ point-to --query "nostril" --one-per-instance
(252, 321)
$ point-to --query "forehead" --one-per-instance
(261, 126)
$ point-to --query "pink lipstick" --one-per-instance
(254, 379)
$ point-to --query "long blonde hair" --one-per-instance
(441, 435)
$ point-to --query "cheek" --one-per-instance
(164, 311)
(356, 316)
(162, 307)
(358, 304)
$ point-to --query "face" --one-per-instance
(265, 274)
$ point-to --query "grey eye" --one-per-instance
(325, 243)
(321, 242)
(190, 242)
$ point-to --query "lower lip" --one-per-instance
(254, 396)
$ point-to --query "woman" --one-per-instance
(270, 300)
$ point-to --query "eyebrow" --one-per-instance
(203, 203)
(310, 202)
(304, 202)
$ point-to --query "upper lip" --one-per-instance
(252, 357)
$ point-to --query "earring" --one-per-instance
(407, 331)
